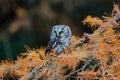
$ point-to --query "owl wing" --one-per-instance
(50, 46)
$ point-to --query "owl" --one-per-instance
(60, 39)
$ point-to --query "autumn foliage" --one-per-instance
(93, 57)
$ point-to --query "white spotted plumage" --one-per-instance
(59, 39)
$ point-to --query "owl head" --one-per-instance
(60, 32)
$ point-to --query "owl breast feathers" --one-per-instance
(59, 39)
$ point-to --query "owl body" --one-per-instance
(59, 39)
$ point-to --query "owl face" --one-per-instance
(60, 32)
(59, 39)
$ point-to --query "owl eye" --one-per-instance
(61, 32)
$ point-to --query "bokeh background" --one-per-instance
(29, 22)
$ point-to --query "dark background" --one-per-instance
(29, 22)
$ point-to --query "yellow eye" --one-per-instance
(61, 32)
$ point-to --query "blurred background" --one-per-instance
(29, 22)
